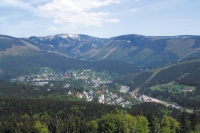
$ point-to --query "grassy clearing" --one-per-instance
(173, 88)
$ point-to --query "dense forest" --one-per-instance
(44, 116)
(32, 110)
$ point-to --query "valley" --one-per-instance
(59, 56)
(149, 77)
(99, 87)
(99, 66)
(92, 86)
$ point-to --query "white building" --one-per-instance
(101, 98)
(124, 89)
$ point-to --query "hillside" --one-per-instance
(186, 72)
(146, 51)
(19, 57)
(30, 54)
(179, 83)
(10, 46)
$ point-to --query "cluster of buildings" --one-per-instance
(105, 97)
(46, 75)
(42, 78)
(91, 78)
(86, 95)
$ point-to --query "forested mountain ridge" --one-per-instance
(145, 51)
(186, 73)
(150, 52)
(142, 50)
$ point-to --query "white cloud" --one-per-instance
(71, 14)
(81, 12)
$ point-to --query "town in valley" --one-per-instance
(95, 86)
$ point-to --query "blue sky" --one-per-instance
(100, 18)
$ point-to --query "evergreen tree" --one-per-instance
(185, 122)
(194, 121)
(169, 125)
(141, 124)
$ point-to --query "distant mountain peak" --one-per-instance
(65, 35)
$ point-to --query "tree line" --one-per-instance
(52, 116)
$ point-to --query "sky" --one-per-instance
(100, 18)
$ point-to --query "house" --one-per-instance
(79, 95)
(69, 92)
(41, 83)
(21, 79)
(107, 99)
(124, 89)
(103, 91)
(98, 92)
(65, 77)
(90, 98)
(67, 85)
(188, 90)
(101, 98)
(133, 95)
(85, 95)
(90, 93)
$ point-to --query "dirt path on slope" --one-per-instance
(112, 50)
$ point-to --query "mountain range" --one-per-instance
(63, 51)
(145, 51)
